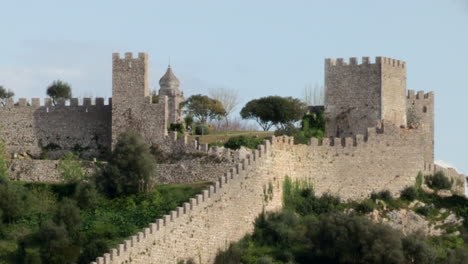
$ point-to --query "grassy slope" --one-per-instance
(223, 136)
(110, 221)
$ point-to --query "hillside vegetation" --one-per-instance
(314, 229)
(79, 220)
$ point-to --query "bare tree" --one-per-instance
(228, 97)
(313, 95)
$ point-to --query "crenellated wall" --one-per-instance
(352, 168)
(222, 214)
(34, 128)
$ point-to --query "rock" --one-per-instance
(452, 219)
(416, 203)
(408, 222)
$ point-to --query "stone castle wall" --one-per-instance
(352, 168)
(29, 127)
(458, 179)
(420, 114)
(41, 170)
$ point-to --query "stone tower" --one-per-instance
(132, 108)
(169, 86)
(359, 95)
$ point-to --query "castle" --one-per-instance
(92, 129)
(378, 137)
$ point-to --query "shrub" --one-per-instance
(55, 245)
(382, 195)
(130, 168)
(341, 238)
(409, 193)
(71, 170)
(188, 120)
(68, 214)
(12, 201)
(177, 127)
(202, 129)
(365, 206)
(91, 250)
(86, 195)
(422, 210)
(245, 141)
(438, 181)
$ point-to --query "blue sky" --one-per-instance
(258, 47)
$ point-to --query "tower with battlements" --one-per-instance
(357, 95)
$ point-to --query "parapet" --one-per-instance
(47, 102)
(129, 56)
(420, 95)
(353, 61)
(147, 235)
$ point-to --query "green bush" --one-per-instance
(13, 201)
(130, 168)
(71, 170)
(312, 125)
(68, 214)
(243, 141)
(299, 196)
(91, 250)
(56, 247)
(365, 206)
(202, 129)
(382, 195)
(86, 195)
(177, 127)
(438, 181)
(422, 210)
(188, 120)
(409, 193)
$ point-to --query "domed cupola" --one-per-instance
(169, 80)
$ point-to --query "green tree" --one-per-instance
(68, 214)
(12, 201)
(438, 181)
(86, 195)
(204, 108)
(274, 110)
(5, 94)
(71, 169)
(130, 168)
(55, 245)
(91, 250)
(59, 90)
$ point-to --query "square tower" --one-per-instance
(359, 95)
(130, 77)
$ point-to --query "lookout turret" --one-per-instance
(169, 86)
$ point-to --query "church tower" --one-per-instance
(169, 86)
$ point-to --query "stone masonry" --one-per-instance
(379, 136)
(91, 129)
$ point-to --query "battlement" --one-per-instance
(206, 198)
(353, 61)
(420, 95)
(128, 56)
(47, 102)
